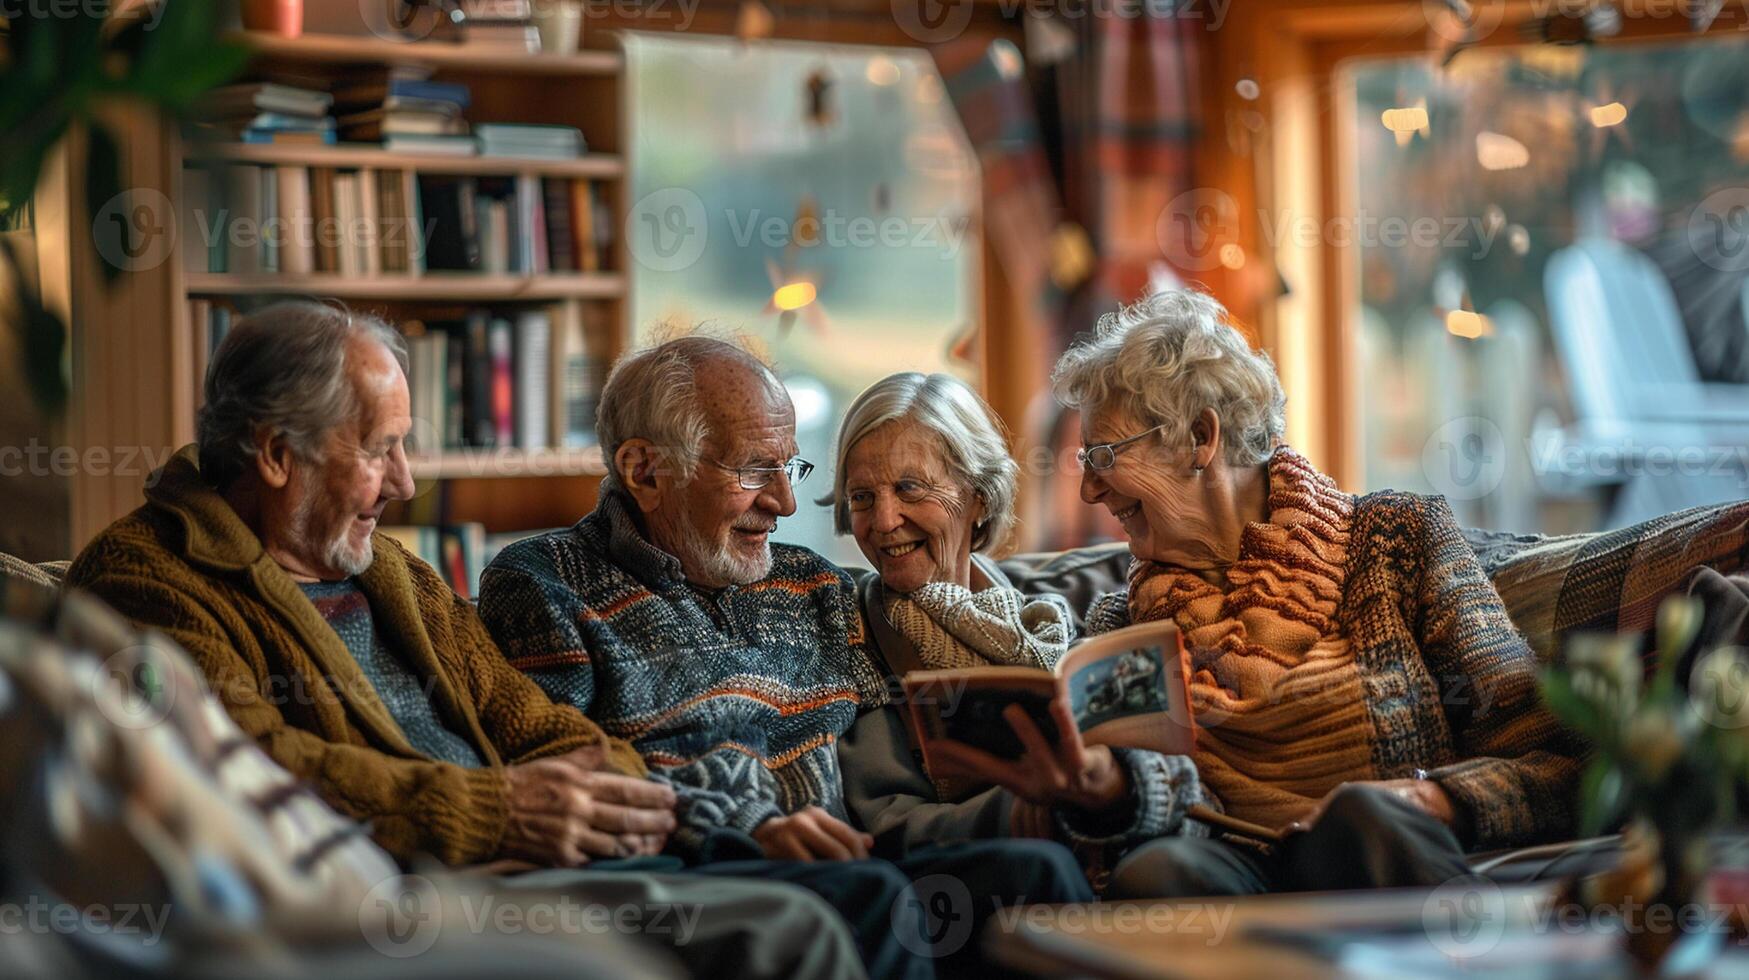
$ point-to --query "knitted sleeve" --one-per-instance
(534, 618)
(1517, 775)
(522, 722)
(413, 806)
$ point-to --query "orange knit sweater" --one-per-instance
(1277, 693)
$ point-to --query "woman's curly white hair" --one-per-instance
(1165, 359)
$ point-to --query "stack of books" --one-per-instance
(266, 112)
(405, 110)
(523, 140)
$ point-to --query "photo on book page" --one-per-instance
(1127, 689)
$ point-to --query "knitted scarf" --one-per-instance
(952, 626)
(1277, 694)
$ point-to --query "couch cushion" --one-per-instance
(1613, 581)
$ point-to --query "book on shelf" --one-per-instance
(577, 379)
(529, 140)
(479, 428)
(329, 229)
(396, 92)
(297, 226)
(197, 222)
(431, 144)
(373, 125)
(499, 351)
(250, 98)
(285, 137)
(531, 390)
(348, 212)
(452, 221)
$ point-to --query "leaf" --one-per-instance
(1573, 710)
(102, 185)
(42, 337)
(1602, 792)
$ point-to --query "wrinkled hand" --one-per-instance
(1030, 820)
(1424, 794)
(563, 814)
(811, 835)
(1072, 774)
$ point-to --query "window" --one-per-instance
(1554, 247)
(817, 200)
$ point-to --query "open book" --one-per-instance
(1127, 689)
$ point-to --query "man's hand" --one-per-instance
(1424, 794)
(563, 814)
(811, 835)
(1071, 774)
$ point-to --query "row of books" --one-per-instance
(498, 379)
(459, 552)
(525, 379)
(295, 220)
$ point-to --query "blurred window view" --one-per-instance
(835, 188)
(1554, 280)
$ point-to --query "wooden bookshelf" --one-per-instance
(346, 50)
(136, 350)
(593, 166)
(459, 287)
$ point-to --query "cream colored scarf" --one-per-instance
(1277, 695)
(951, 626)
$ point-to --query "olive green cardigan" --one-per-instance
(187, 565)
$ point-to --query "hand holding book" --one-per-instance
(1066, 773)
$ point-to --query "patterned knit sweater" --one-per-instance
(1447, 686)
(737, 698)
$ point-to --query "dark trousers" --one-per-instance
(1366, 838)
(924, 914)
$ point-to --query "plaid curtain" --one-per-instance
(1131, 112)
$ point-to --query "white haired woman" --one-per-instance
(925, 484)
(1354, 671)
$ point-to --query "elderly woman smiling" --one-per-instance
(924, 483)
(1353, 670)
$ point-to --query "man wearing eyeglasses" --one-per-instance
(733, 664)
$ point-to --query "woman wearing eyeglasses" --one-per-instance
(926, 486)
(1358, 682)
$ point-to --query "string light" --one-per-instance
(1608, 115)
(1497, 151)
(793, 296)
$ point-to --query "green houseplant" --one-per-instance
(60, 65)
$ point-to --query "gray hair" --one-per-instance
(652, 393)
(1168, 357)
(283, 369)
(969, 432)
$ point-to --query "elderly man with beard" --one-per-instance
(732, 664)
(355, 667)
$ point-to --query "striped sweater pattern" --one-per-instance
(736, 698)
